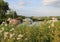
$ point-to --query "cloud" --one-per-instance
(55, 3)
(40, 12)
(21, 3)
(46, 2)
(18, 5)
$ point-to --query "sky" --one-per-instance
(35, 7)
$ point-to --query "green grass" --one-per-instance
(25, 33)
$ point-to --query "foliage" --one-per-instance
(24, 33)
(11, 14)
(21, 17)
(3, 8)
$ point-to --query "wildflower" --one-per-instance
(5, 24)
(18, 38)
(49, 27)
(52, 25)
(20, 35)
(5, 32)
(12, 29)
(5, 35)
(26, 38)
(9, 19)
(2, 28)
(11, 35)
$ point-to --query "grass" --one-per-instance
(36, 33)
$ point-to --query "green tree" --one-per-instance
(12, 14)
(3, 8)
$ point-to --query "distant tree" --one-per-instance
(12, 14)
(58, 17)
(15, 14)
(34, 18)
(21, 17)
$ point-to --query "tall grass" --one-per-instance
(37, 33)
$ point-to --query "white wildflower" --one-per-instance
(26, 38)
(9, 19)
(52, 25)
(2, 28)
(20, 35)
(49, 27)
(18, 38)
(5, 35)
(11, 35)
(5, 24)
(12, 29)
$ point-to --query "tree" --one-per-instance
(12, 14)
(15, 14)
(3, 8)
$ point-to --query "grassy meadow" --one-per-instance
(44, 32)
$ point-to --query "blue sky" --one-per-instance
(35, 7)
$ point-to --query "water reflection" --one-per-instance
(33, 23)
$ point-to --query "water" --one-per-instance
(36, 23)
(33, 23)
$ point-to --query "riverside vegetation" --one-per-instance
(43, 32)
